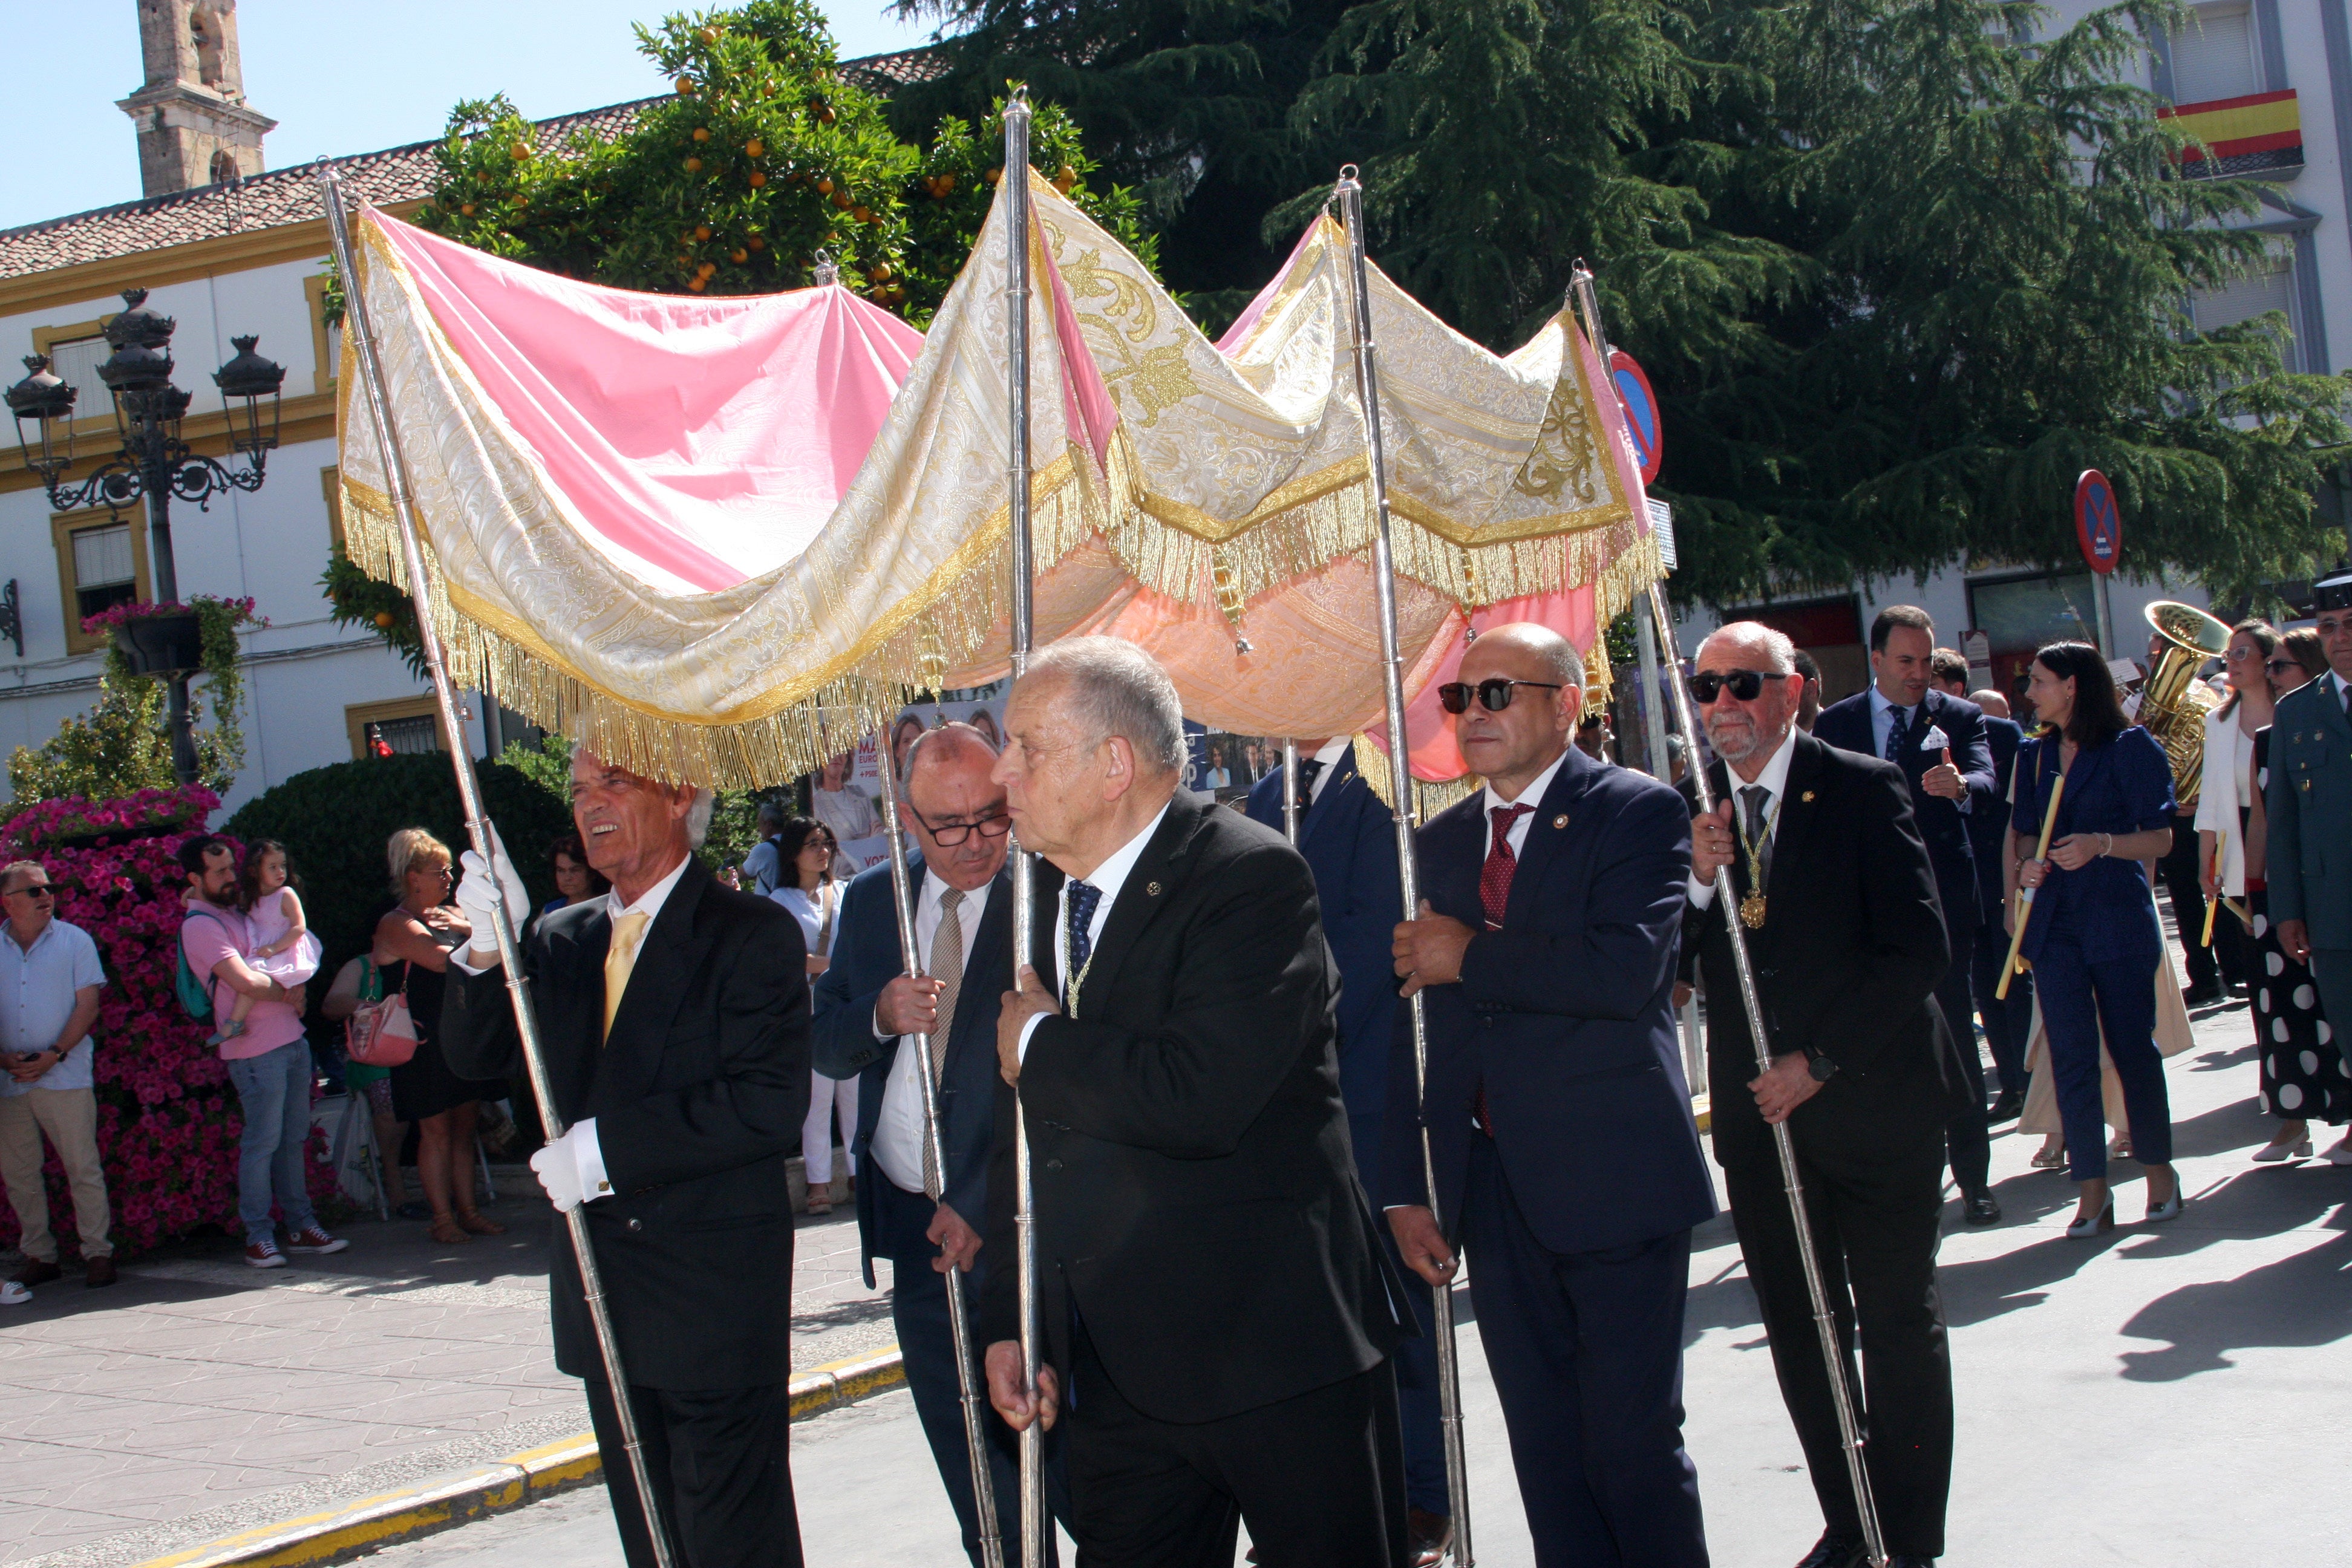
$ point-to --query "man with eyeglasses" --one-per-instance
(1566, 1161)
(1833, 891)
(2308, 805)
(50, 982)
(869, 1014)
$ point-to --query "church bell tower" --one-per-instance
(195, 128)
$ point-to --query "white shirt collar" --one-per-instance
(1530, 796)
(1111, 875)
(1774, 778)
(933, 897)
(1880, 703)
(1337, 747)
(649, 904)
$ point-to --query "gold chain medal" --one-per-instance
(1751, 908)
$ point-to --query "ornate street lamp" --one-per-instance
(153, 463)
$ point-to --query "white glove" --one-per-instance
(572, 1168)
(478, 890)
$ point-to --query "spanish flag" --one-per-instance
(2260, 132)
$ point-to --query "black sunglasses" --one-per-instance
(1745, 684)
(38, 891)
(2281, 666)
(1493, 695)
(947, 836)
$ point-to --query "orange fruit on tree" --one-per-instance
(841, 199)
(520, 151)
(739, 255)
(756, 148)
(685, 87)
(467, 208)
(702, 231)
(693, 165)
(697, 284)
(756, 243)
(702, 133)
(384, 618)
(994, 176)
(947, 184)
(758, 179)
(825, 187)
(709, 35)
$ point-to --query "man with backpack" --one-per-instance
(269, 1063)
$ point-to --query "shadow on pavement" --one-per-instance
(2299, 1302)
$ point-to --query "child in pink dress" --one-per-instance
(284, 948)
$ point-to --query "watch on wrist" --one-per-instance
(1823, 1068)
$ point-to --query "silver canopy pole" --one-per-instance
(1290, 790)
(361, 334)
(1350, 197)
(975, 1407)
(1728, 901)
(1017, 225)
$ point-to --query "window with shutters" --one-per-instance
(2214, 56)
(101, 562)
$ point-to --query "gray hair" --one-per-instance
(948, 741)
(15, 868)
(697, 815)
(1756, 634)
(1120, 690)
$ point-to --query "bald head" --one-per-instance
(1995, 705)
(1512, 745)
(949, 795)
(1554, 653)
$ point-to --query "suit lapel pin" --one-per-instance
(1152, 888)
(1561, 821)
(1807, 796)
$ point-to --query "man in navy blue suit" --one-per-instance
(1349, 840)
(1567, 1164)
(866, 1009)
(1939, 744)
(2006, 1021)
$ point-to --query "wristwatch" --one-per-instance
(1823, 1068)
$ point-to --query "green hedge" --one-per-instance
(334, 822)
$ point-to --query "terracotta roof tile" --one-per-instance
(282, 198)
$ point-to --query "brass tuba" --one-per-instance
(2173, 703)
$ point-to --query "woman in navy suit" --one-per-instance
(2093, 937)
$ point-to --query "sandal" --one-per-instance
(2050, 1159)
(472, 1220)
(446, 1231)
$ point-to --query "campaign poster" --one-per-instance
(845, 794)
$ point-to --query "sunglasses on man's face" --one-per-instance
(1493, 696)
(1744, 684)
(36, 891)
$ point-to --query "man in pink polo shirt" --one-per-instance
(269, 1063)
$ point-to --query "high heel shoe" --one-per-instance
(2104, 1222)
(2271, 1154)
(2050, 1159)
(2169, 1209)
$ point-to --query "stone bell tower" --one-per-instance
(195, 128)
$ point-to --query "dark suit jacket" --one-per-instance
(1846, 965)
(2308, 806)
(1988, 830)
(2125, 786)
(1565, 1014)
(1349, 840)
(1196, 1198)
(866, 958)
(1945, 828)
(699, 1097)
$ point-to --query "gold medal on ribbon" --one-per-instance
(1751, 911)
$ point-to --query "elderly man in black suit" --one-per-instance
(675, 1017)
(1939, 743)
(867, 1010)
(1833, 891)
(1211, 1288)
(1568, 1162)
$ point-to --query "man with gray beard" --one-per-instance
(1832, 888)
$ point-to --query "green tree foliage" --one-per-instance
(766, 156)
(119, 748)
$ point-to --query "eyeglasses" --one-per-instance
(38, 891)
(1745, 684)
(2281, 666)
(947, 835)
(1493, 695)
(2237, 654)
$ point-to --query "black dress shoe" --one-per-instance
(1426, 1537)
(2211, 996)
(1980, 1209)
(1836, 1551)
(2007, 1106)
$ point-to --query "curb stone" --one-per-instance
(531, 1476)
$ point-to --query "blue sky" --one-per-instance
(339, 76)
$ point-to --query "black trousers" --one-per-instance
(1318, 1477)
(1587, 1354)
(721, 1477)
(2007, 1022)
(919, 1309)
(1415, 1358)
(1967, 1135)
(1876, 1221)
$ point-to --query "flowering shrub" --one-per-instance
(167, 1118)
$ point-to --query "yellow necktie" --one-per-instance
(619, 959)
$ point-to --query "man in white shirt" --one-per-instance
(874, 1020)
(50, 982)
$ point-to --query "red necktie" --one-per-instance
(1495, 876)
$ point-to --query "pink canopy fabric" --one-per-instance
(707, 439)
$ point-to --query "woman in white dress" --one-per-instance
(805, 885)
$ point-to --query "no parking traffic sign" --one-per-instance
(1641, 412)
(2098, 522)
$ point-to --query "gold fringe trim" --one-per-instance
(1429, 797)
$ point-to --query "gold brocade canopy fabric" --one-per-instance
(704, 536)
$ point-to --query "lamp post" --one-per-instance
(152, 463)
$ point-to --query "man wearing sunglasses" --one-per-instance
(1833, 891)
(2308, 805)
(1939, 741)
(869, 1013)
(1567, 1164)
(51, 982)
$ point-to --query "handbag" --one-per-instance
(381, 1034)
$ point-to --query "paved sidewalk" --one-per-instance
(199, 1396)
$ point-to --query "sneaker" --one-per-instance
(13, 1294)
(264, 1254)
(314, 1240)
